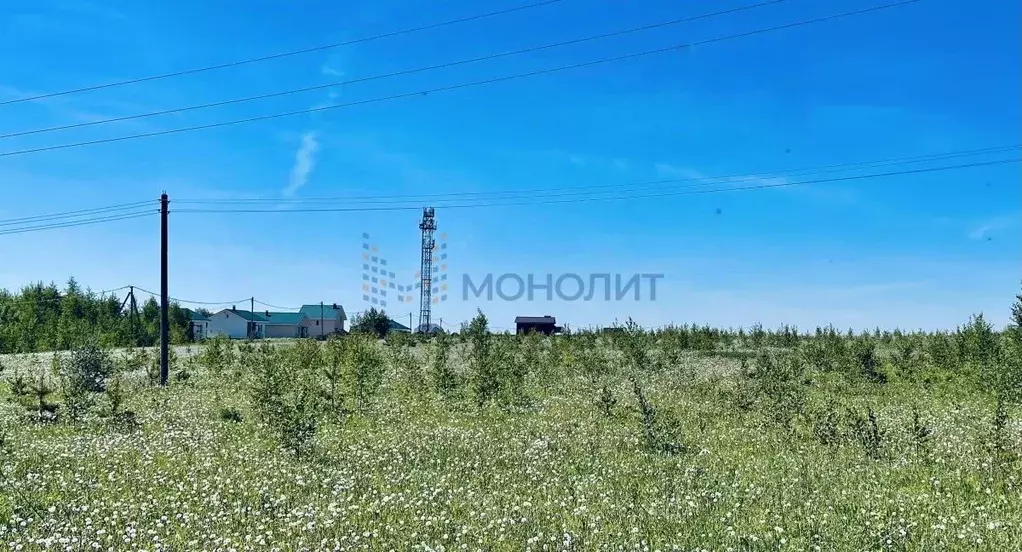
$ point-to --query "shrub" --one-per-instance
(114, 411)
(827, 425)
(404, 362)
(869, 434)
(485, 376)
(920, 431)
(286, 396)
(864, 352)
(216, 354)
(372, 322)
(230, 414)
(366, 368)
(40, 391)
(442, 376)
(660, 429)
(87, 367)
(607, 401)
(778, 382)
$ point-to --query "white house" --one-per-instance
(237, 324)
(324, 319)
(286, 324)
(198, 324)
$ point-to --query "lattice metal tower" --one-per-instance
(428, 226)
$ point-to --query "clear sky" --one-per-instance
(921, 250)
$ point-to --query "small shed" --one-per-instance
(545, 324)
(198, 325)
(287, 324)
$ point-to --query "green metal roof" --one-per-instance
(328, 311)
(288, 318)
(398, 327)
(195, 316)
(247, 315)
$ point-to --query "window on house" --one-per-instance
(317, 322)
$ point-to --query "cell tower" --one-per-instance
(428, 226)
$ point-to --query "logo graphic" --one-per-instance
(379, 282)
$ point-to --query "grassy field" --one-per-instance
(482, 442)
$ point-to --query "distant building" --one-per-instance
(237, 324)
(287, 324)
(325, 319)
(198, 325)
(396, 326)
(546, 325)
(432, 328)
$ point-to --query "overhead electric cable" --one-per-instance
(74, 214)
(75, 223)
(387, 75)
(697, 181)
(281, 55)
(626, 197)
(457, 86)
(154, 294)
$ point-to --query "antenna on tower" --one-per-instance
(428, 226)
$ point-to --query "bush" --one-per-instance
(441, 374)
(88, 367)
(372, 322)
(777, 383)
(485, 374)
(286, 395)
(365, 367)
(864, 352)
(217, 355)
(660, 429)
(230, 414)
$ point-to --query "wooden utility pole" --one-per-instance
(251, 308)
(322, 330)
(409, 322)
(164, 300)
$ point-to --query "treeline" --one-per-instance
(45, 318)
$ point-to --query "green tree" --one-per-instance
(372, 321)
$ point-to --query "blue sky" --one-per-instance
(921, 250)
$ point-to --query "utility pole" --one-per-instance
(409, 321)
(164, 300)
(321, 329)
(251, 307)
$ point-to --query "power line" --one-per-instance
(457, 86)
(576, 190)
(185, 301)
(258, 302)
(76, 223)
(283, 54)
(626, 197)
(389, 75)
(74, 214)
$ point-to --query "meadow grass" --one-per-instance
(763, 455)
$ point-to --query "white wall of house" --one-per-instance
(230, 324)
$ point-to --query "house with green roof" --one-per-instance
(237, 324)
(198, 324)
(396, 326)
(325, 319)
(287, 324)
